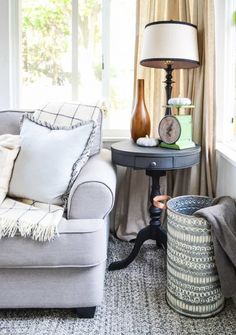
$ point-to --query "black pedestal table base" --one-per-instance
(153, 231)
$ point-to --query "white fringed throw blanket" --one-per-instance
(25, 217)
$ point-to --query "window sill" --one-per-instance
(115, 135)
(114, 139)
(225, 150)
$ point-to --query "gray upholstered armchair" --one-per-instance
(69, 271)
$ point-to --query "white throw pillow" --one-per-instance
(69, 114)
(50, 159)
(9, 148)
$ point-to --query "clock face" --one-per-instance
(169, 129)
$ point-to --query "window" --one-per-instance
(226, 70)
(233, 62)
(79, 50)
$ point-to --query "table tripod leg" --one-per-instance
(153, 231)
(158, 233)
(143, 235)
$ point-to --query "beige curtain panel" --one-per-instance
(131, 212)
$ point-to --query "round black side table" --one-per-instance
(156, 161)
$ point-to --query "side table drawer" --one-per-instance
(154, 163)
(185, 162)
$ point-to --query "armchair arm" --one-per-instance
(93, 193)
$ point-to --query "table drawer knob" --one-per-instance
(153, 164)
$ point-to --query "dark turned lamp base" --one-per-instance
(168, 87)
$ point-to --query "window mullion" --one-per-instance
(75, 56)
(228, 74)
(105, 55)
(14, 52)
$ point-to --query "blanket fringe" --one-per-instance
(42, 233)
(8, 227)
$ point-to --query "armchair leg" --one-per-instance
(86, 312)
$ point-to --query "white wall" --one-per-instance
(226, 176)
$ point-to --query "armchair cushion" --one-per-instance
(49, 160)
(82, 243)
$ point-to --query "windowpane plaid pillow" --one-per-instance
(69, 114)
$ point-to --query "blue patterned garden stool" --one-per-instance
(193, 287)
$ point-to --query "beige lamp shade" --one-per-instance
(172, 41)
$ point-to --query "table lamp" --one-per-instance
(170, 45)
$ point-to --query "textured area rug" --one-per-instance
(134, 304)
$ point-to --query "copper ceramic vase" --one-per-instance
(140, 122)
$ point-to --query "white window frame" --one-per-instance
(109, 134)
(9, 60)
(224, 79)
(224, 64)
(75, 53)
(105, 53)
(14, 30)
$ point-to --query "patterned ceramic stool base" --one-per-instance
(193, 287)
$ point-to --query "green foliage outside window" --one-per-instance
(46, 37)
(234, 18)
(44, 31)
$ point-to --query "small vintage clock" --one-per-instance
(176, 131)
